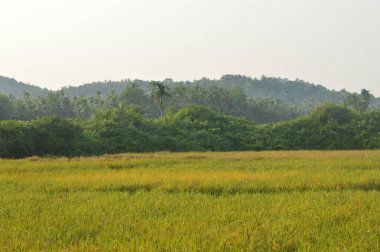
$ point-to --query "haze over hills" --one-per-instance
(12, 87)
(292, 92)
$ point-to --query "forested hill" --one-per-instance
(12, 87)
(292, 92)
(296, 92)
(101, 87)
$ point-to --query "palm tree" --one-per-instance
(159, 91)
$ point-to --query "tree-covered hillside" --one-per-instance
(295, 92)
(159, 100)
(205, 115)
(292, 92)
(12, 87)
(266, 100)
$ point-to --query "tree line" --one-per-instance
(193, 128)
(179, 118)
(152, 102)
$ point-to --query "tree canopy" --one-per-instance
(193, 128)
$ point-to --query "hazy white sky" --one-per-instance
(53, 43)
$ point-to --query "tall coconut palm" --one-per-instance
(159, 92)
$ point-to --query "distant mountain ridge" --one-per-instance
(12, 87)
(296, 92)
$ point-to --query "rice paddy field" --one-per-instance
(238, 201)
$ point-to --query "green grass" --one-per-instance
(241, 201)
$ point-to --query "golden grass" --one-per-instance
(252, 201)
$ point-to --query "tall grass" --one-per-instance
(250, 201)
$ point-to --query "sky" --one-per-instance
(54, 43)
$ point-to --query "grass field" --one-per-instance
(242, 201)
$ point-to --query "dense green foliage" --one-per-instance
(195, 116)
(158, 98)
(153, 103)
(194, 128)
(235, 201)
(260, 100)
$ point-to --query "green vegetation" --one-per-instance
(241, 201)
(194, 128)
(202, 115)
(263, 100)
(151, 102)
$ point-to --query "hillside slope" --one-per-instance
(10, 86)
(293, 92)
